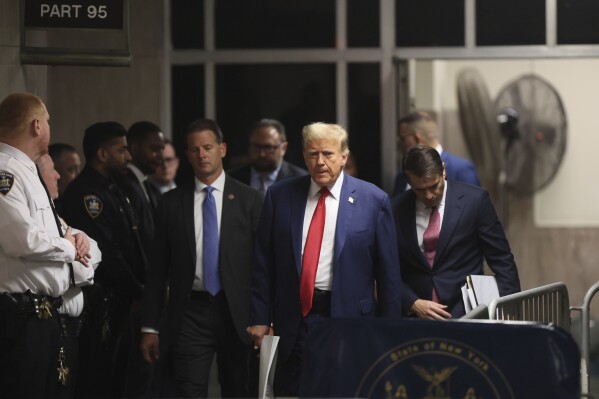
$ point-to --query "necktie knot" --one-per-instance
(324, 192)
(209, 190)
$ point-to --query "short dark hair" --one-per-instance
(56, 150)
(422, 161)
(139, 131)
(202, 124)
(266, 122)
(98, 135)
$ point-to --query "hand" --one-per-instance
(77, 242)
(150, 347)
(430, 310)
(257, 333)
(82, 246)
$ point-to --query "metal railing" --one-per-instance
(548, 304)
(481, 312)
(585, 338)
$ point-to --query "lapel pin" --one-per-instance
(351, 200)
(231, 196)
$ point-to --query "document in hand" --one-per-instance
(479, 290)
(268, 361)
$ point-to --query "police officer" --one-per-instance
(72, 300)
(34, 258)
(95, 204)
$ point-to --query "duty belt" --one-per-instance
(39, 304)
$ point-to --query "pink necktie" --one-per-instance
(312, 253)
(430, 240)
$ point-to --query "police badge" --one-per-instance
(6, 182)
(93, 205)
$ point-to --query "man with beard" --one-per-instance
(268, 144)
(95, 204)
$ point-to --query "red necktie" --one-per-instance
(430, 240)
(312, 253)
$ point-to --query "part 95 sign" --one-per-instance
(86, 14)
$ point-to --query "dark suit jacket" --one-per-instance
(470, 232)
(174, 254)
(143, 208)
(365, 252)
(456, 168)
(244, 173)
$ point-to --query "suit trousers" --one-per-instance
(288, 372)
(207, 328)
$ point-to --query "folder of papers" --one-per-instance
(268, 361)
(479, 290)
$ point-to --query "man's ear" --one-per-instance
(102, 154)
(36, 129)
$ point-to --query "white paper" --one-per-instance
(485, 288)
(268, 361)
(465, 298)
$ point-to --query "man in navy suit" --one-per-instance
(421, 128)
(468, 231)
(357, 270)
(268, 144)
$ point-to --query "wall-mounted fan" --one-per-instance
(533, 124)
(525, 131)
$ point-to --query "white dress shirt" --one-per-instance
(269, 178)
(200, 194)
(423, 215)
(324, 273)
(33, 256)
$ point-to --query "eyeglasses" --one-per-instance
(169, 160)
(264, 147)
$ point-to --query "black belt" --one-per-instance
(33, 303)
(321, 302)
(206, 296)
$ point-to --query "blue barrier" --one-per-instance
(434, 360)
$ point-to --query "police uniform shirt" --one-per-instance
(72, 299)
(33, 256)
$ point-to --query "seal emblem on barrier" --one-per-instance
(434, 368)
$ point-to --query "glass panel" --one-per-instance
(187, 24)
(364, 107)
(424, 23)
(363, 23)
(510, 22)
(577, 22)
(242, 24)
(188, 105)
(295, 94)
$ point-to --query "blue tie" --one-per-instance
(210, 243)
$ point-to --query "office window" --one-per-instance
(187, 24)
(577, 22)
(270, 24)
(429, 23)
(364, 114)
(363, 23)
(295, 94)
(510, 22)
(187, 105)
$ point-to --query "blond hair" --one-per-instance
(325, 131)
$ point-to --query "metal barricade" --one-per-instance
(585, 339)
(481, 312)
(548, 304)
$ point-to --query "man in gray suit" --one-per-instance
(268, 144)
(207, 266)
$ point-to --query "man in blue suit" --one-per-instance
(444, 231)
(355, 272)
(421, 128)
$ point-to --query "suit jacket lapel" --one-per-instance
(408, 224)
(299, 198)
(187, 199)
(345, 214)
(451, 217)
(230, 213)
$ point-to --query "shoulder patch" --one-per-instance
(93, 205)
(7, 180)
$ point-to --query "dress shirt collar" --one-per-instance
(137, 172)
(18, 155)
(218, 184)
(335, 189)
(439, 149)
